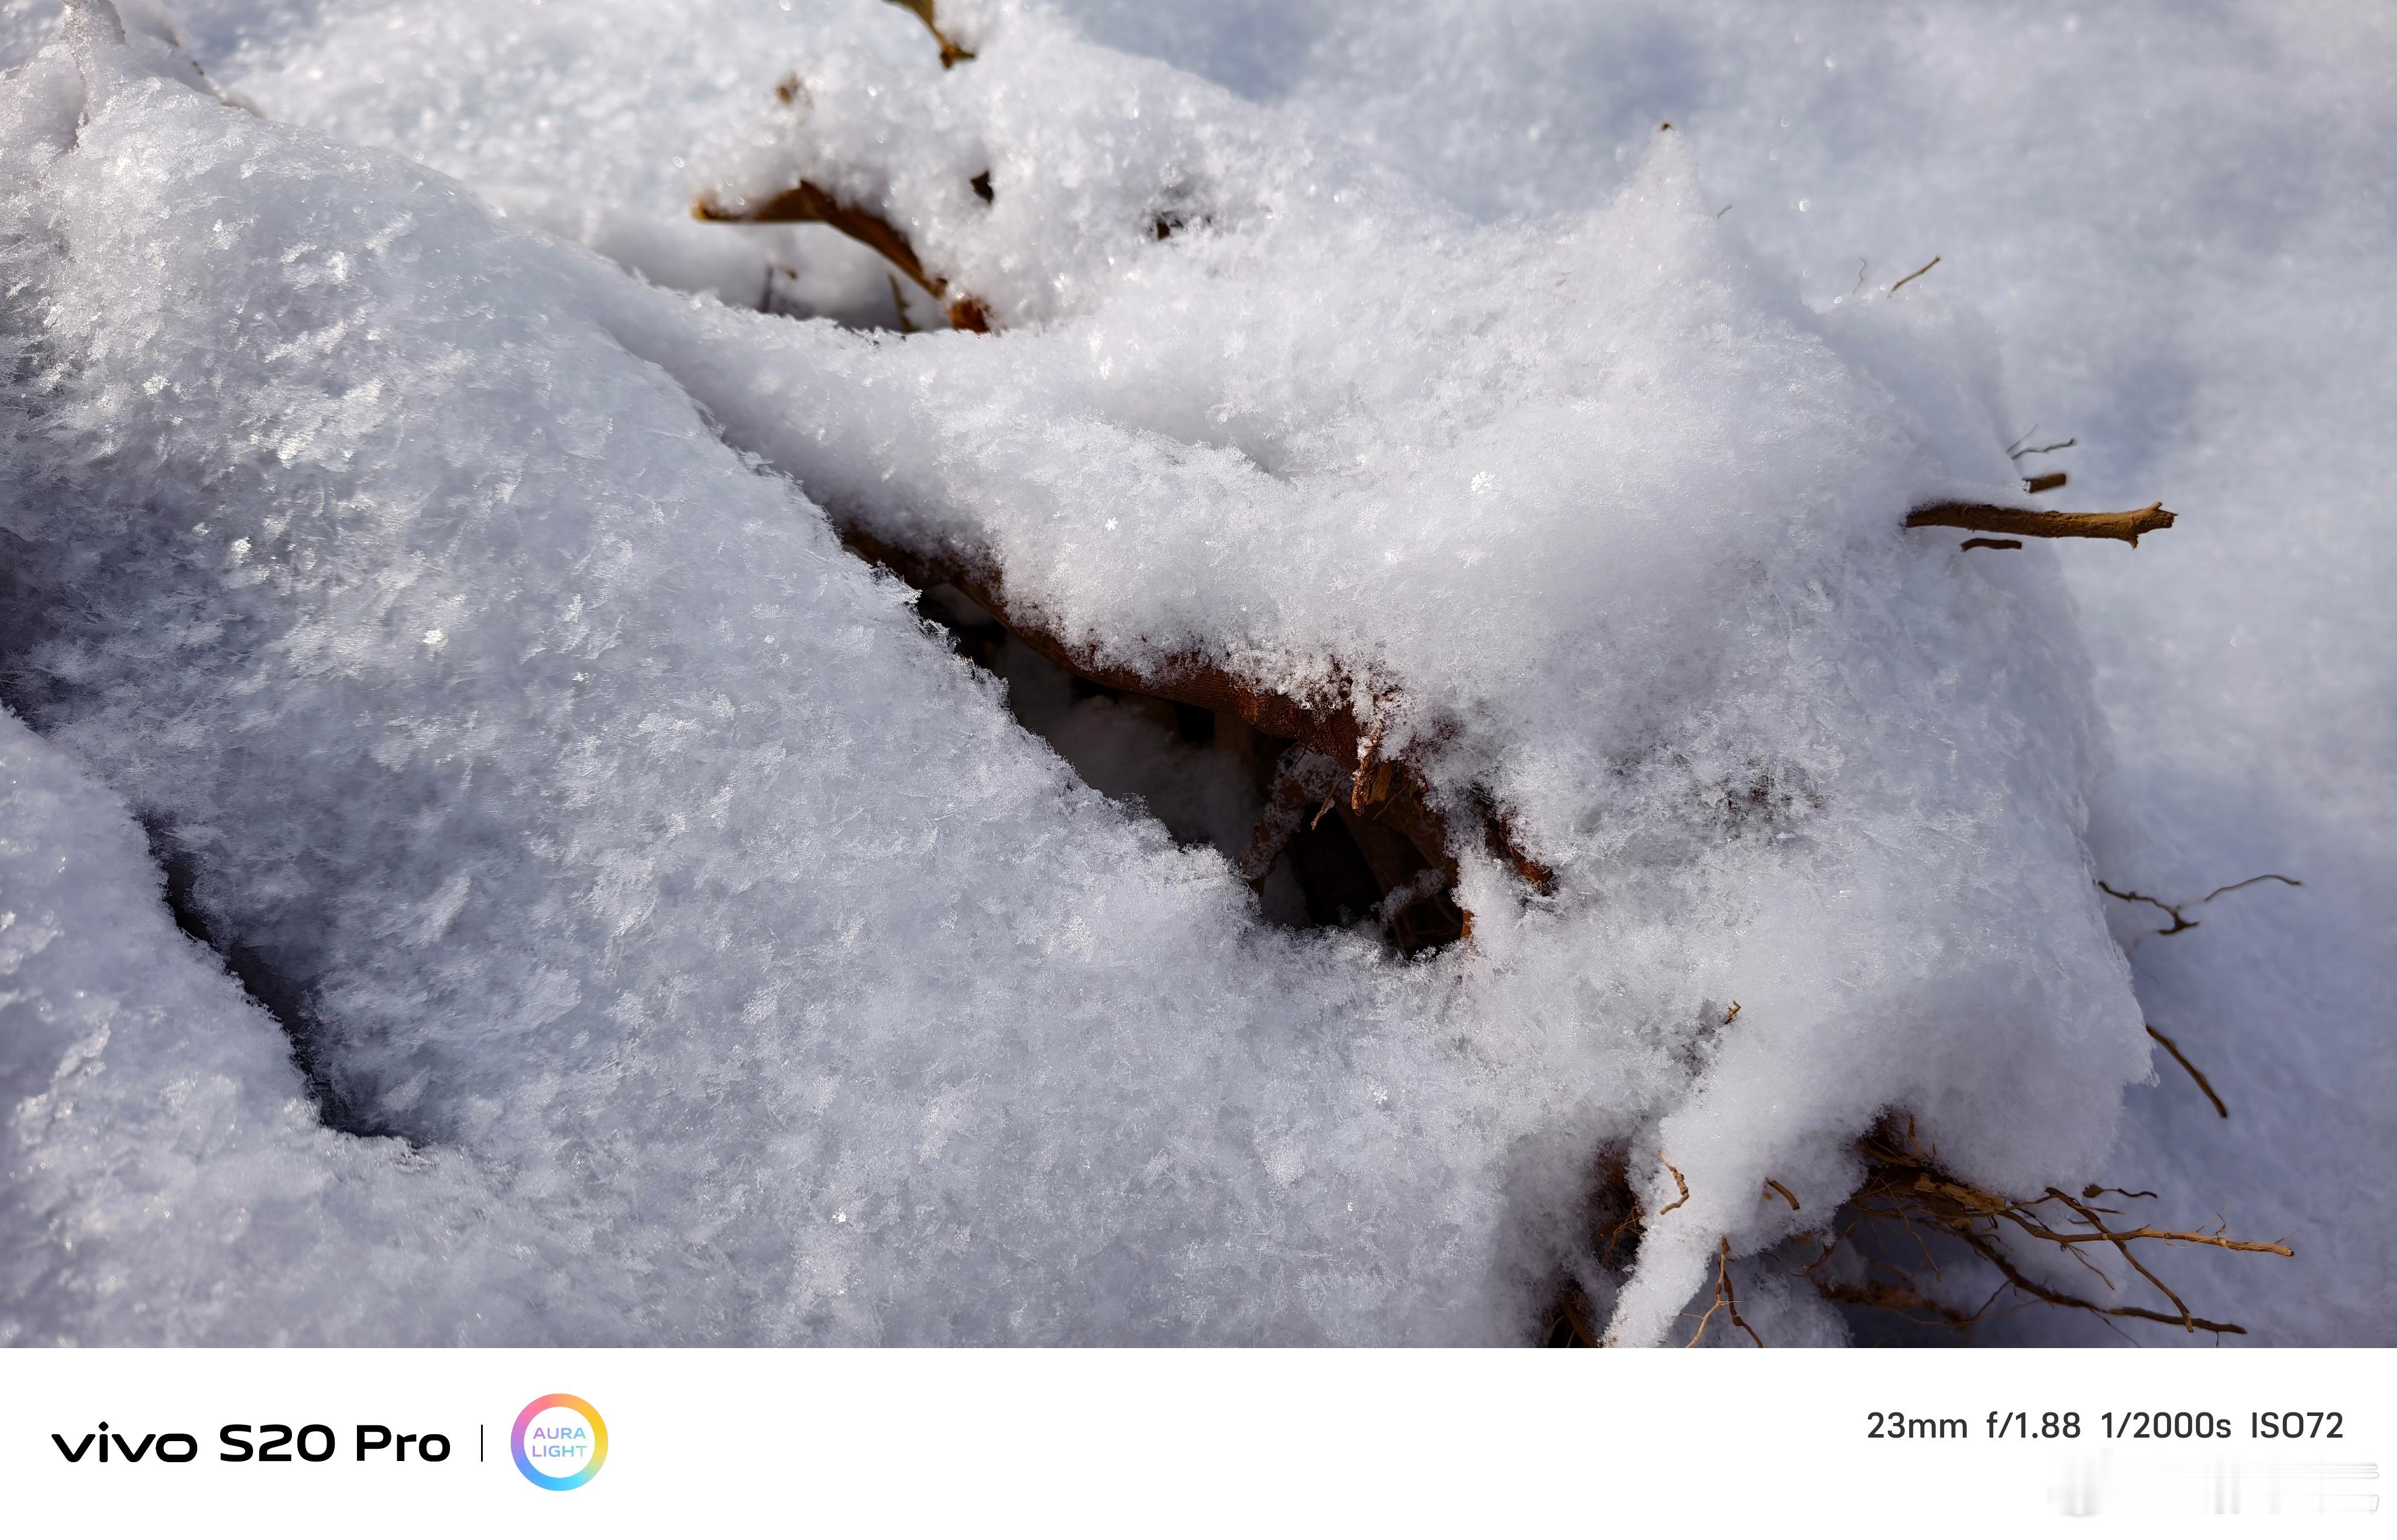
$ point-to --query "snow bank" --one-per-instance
(612, 837)
(165, 1177)
(598, 816)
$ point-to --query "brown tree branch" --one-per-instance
(2040, 524)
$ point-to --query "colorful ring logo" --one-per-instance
(559, 1442)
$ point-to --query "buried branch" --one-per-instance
(807, 204)
(2038, 523)
(1334, 760)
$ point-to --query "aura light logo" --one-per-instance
(559, 1442)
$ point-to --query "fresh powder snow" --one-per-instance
(616, 916)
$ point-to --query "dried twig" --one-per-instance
(2047, 483)
(2182, 922)
(1679, 1182)
(1725, 1299)
(2194, 1073)
(1905, 1185)
(2235, 887)
(1912, 277)
(2041, 524)
(2179, 921)
(807, 204)
(2016, 450)
(1979, 544)
(1787, 1195)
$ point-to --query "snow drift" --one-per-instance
(680, 943)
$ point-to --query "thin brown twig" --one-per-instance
(2182, 922)
(2194, 1073)
(1916, 274)
(2235, 887)
(1996, 1255)
(1679, 1182)
(1904, 1184)
(2179, 921)
(1787, 1195)
(1726, 1298)
(2089, 1216)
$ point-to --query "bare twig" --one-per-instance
(2232, 888)
(2041, 524)
(1725, 1299)
(1733, 1014)
(2048, 483)
(1980, 543)
(1912, 277)
(2182, 922)
(2179, 921)
(2016, 451)
(1904, 1184)
(2194, 1073)
(1787, 1195)
(1679, 1182)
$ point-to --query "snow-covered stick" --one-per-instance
(1388, 791)
(807, 204)
(2041, 524)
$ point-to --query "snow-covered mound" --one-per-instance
(462, 615)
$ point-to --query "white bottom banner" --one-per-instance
(1191, 1442)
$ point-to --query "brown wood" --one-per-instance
(2041, 524)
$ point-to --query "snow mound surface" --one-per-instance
(654, 901)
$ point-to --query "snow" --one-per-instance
(662, 907)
